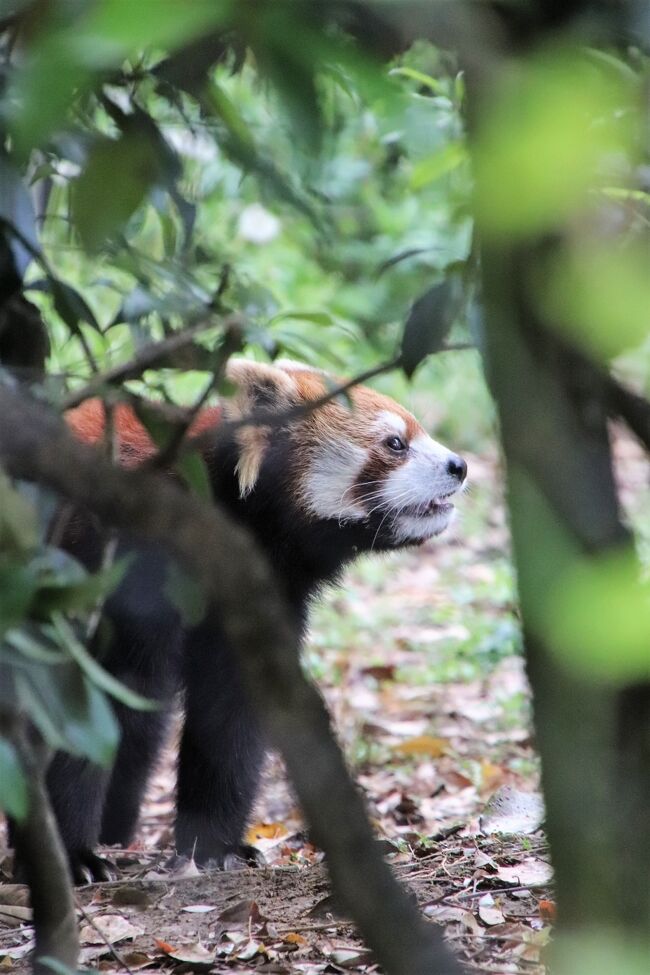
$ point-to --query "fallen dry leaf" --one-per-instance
(250, 950)
(512, 811)
(129, 896)
(108, 928)
(13, 915)
(20, 951)
(15, 894)
(350, 957)
(547, 910)
(164, 946)
(266, 831)
(423, 745)
(489, 911)
(441, 913)
(242, 912)
(195, 955)
(531, 872)
(136, 960)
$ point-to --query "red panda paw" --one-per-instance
(87, 868)
(237, 857)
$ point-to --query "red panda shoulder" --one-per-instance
(87, 423)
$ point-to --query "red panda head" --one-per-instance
(368, 465)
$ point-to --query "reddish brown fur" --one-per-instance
(88, 423)
(337, 419)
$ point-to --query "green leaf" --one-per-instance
(437, 165)
(238, 144)
(73, 44)
(56, 967)
(69, 711)
(428, 323)
(17, 587)
(317, 317)
(185, 595)
(544, 137)
(55, 592)
(436, 86)
(192, 468)
(114, 28)
(14, 799)
(30, 646)
(99, 215)
(292, 73)
(19, 529)
(227, 111)
(599, 296)
(68, 639)
(70, 305)
(597, 618)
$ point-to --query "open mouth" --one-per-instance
(437, 506)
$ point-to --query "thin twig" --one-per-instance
(145, 358)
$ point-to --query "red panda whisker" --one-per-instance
(378, 530)
(406, 497)
(395, 505)
(355, 485)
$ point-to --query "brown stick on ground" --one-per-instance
(44, 861)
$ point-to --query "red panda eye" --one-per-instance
(395, 443)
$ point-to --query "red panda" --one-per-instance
(316, 491)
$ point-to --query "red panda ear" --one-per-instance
(259, 387)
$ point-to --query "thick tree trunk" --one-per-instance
(593, 739)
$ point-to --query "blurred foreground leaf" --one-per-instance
(598, 618)
(71, 45)
(543, 138)
(19, 530)
(99, 214)
(68, 710)
(600, 298)
(13, 795)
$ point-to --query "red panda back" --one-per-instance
(88, 422)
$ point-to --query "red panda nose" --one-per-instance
(457, 467)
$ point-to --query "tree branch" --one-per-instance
(147, 357)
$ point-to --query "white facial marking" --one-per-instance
(330, 477)
(409, 529)
(390, 423)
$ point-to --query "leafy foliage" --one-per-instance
(200, 177)
(246, 177)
